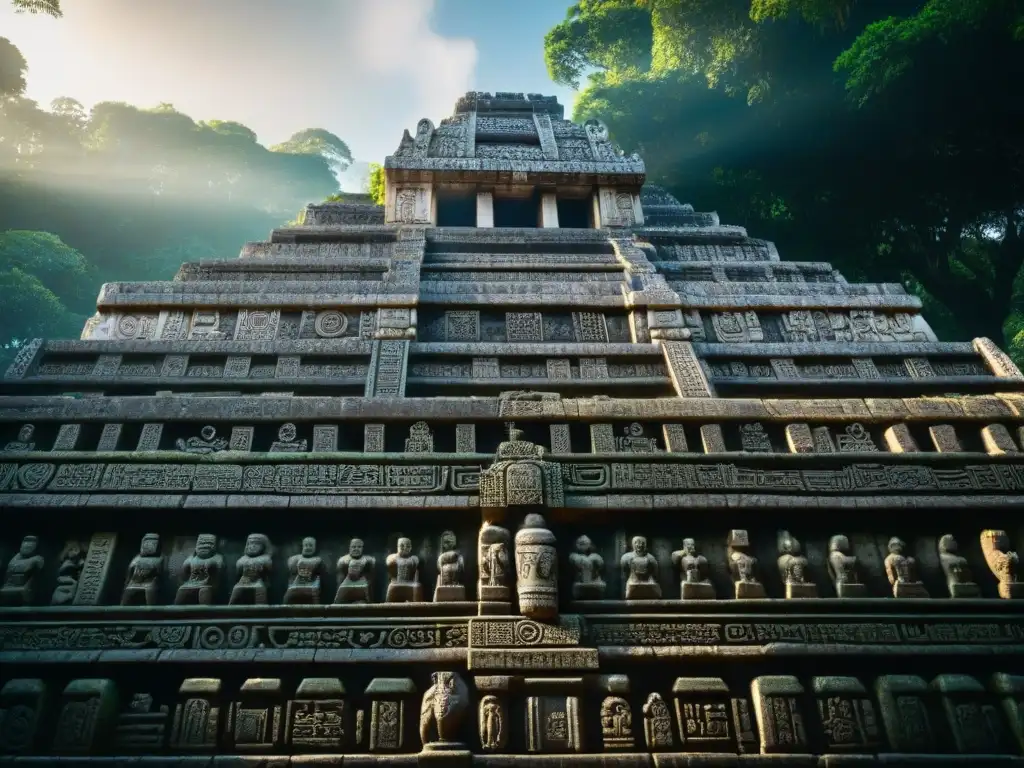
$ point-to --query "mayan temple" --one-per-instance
(532, 466)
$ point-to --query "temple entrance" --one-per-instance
(574, 213)
(520, 212)
(456, 208)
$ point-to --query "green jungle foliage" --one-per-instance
(125, 193)
(881, 136)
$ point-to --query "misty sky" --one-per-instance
(363, 69)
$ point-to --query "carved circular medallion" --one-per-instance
(32, 477)
(528, 632)
(330, 324)
(211, 638)
(238, 637)
(127, 326)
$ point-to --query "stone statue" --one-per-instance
(444, 705)
(588, 583)
(494, 564)
(657, 723)
(842, 567)
(404, 572)
(694, 582)
(254, 567)
(640, 572)
(1003, 562)
(451, 569)
(207, 442)
(72, 560)
(142, 585)
(22, 569)
(743, 566)
(616, 723)
(200, 573)
(793, 568)
(24, 441)
(537, 568)
(902, 571)
(355, 575)
(956, 569)
(286, 442)
(493, 732)
(305, 570)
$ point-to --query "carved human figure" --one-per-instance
(694, 581)
(902, 571)
(616, 723)
(444, 705)
(19, 578)
(24, 441)
(493, 735)
(537, 569)
(956, 569)
(1003, 562)
(657, 723)
(494, 563)
(207, 442)
(793, 568)
(286, 442)
(200, 573)
(304, 573)
(842, 567)
(640, 572)
(254, 567)
(588, 582)
(451, 569)
(404, 572)
(142, 583)
(743, 566)
(355, 575)
(72, 560)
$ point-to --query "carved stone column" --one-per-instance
(389, 716)
(86, 716)
(779, 719)
(902, 700)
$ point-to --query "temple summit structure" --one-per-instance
(531, 466)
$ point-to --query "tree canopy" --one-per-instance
(882, 137)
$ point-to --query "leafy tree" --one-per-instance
(317, 141)
(46, 7)
(879, 137)
(44, 283)
(376, 188)
(12, 69)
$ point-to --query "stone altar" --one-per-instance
(528, 348)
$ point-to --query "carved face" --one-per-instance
(150, 545)
(29, 545)
(404, 547)
(639, 545)
(444, 680)
(896, 546)
(254, 545)
(839, 543)
(584, 545)
(25, 433)
(689, 547)
(447, 541)
(355, 548)
(286, 433)
(206, 545)
(947, 544)
(308, 546)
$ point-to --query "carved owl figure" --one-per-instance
(444, 704)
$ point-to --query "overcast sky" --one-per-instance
(363, 69)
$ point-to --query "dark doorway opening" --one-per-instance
(574, 212)
(456, 208)
(522, 212)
